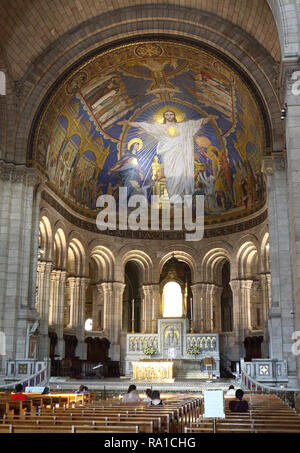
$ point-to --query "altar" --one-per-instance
(173, 345)
(153, 371)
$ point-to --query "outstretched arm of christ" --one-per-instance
(152, 129)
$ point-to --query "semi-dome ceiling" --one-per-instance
(86, 149)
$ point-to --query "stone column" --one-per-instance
(73, 293)
(56, 318)
(156, 308)
(113, 297)
(77, 293)
(43, 299)
(216, 297)
(20, 190)
(265, 281)
(281, 320)
(81, 349)
(292, 309)
(148, 307)
(97, 292)
(197, 290)
(207, 306)
(241, 291)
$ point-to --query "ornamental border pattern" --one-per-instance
(162, 235)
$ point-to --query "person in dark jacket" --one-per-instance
(238, 405)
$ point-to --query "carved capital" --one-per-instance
(20, 174)
(276, 162)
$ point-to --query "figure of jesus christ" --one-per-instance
(176, 148)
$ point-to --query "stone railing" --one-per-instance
(207, 342)
(136, 343)
(28, 372)
(251, 384)
(266, 371)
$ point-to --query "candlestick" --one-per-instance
(192, 326)
(202, 325)
(153, 309)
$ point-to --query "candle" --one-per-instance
(191, 307)
(132, 303)
(153, 309)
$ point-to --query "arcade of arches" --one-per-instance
(85, 113)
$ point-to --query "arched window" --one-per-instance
(172, 300)
(88, 324)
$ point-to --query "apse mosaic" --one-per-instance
(157, 118)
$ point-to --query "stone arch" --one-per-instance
(102, 262)
(142, 259)
(46, 241)
(180, 255)
(212, 264)
(205, 28)
(60, 249)
(286, 18)
(76, 264)
(247, 260)
(265, 253)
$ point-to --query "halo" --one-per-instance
(158, 115)
(135, 140)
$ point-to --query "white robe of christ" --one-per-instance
(176, 148)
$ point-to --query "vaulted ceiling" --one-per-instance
(29, 27)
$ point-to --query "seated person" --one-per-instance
(18, 394)
(238, 405)
(230, 391)
(81, 389)
(155, 397)
(46, 391)
(131, 396)
(148, 398)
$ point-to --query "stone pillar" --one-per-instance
(216, 298)
(197, 290)
(207, 306)
(265, 281)
(241, 291)
(81, 349)
(43, 298)
(281, 320)
(77, 294)
(148, 307)
(97, 292)
(292, 99)
(156, 308)
(56, 318)
(20, 190)
(113, 297)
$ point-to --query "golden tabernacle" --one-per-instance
(153, 371)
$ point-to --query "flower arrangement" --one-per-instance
(194, 350)
(149, 350)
